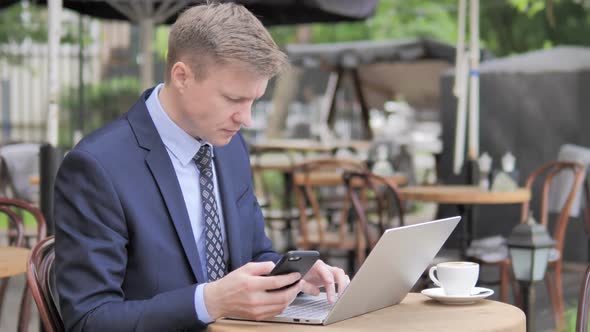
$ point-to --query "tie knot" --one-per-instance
(203, 157)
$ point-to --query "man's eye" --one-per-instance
(234, 100)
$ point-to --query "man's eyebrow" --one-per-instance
(241, 98)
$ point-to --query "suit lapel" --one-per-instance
(227, 192)
(163, 172)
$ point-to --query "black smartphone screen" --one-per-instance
(295, 261)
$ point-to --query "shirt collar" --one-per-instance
(182, 145)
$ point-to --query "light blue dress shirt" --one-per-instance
(181, 148)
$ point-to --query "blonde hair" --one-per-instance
(219, 33)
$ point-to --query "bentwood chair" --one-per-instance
(545, 175)
(25, 306)
(41, 280)
(14, 223)
(376, 202)
(318, 184)
(584, 300)
(584, 303)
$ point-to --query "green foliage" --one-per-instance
(520, 26)
(414, 18)
(104, 101)
(283, 34)
(14, 30)
(571, 315)
(161, 42)
(506, 26)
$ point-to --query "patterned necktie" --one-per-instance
(213, 239)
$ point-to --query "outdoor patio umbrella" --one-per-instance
(148, 13)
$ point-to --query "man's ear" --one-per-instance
(180, 75)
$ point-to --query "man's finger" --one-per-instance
(275, 282)
(341, 279)
(327, 279)
(309, 288)
(258, 268)
(281, 297)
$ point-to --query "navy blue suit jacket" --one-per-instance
(126, 258)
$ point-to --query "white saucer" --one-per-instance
(438, 294)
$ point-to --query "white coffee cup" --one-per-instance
(455, 278)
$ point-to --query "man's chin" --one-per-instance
(221, 141)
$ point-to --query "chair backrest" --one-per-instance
(369, 191)
(21, 161)
(15, 239)
(15, 223)
(584, 304)
(311, 179)
(584, 300)
(547, 173)
(20, 204)
(42, 284)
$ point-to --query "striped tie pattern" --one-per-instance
(213, 240)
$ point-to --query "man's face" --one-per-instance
(216, 107)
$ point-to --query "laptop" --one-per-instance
(392, 268)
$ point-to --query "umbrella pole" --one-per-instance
(54, 33)
(473, 150)
(146, 25)
(460, 91)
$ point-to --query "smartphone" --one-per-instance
(295, 261)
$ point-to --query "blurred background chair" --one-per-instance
(22, 208)
(318, 185)
(20, 162)
(584, 299)
(545, 176)
(14, 223)
(41, 281)
(377, 205)
(584, 303)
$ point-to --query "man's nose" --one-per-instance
(244, 116)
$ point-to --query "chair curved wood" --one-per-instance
(584, 299)
(545, 175)
(316, 184)
(25, 306)
(374, 196)
(15, 223)
(553, 278)
(584, 303)
(39, 279)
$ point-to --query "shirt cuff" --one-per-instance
(200, 307)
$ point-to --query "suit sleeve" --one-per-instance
(91, 259)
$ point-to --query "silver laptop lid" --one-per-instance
(392, 268)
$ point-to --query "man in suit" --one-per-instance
(157, 226)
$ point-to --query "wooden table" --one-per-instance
(13, 261)
(308, 145)
(416, 313)
(451, 194)
(334, 179)
(464, 197)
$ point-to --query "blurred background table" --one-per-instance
(464, 197)
(13, 261)
(415, 313)
(308, 145)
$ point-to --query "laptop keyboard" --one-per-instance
(307, 308)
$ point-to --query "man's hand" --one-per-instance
(244, 293)
(322, 274)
